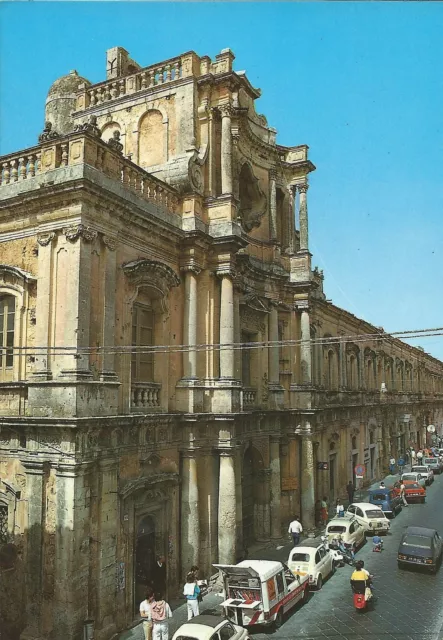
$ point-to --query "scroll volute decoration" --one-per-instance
(252, 199)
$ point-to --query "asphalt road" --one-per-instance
(408, 604)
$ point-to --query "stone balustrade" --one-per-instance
(249, 398)
(145, 397)
(81, 148)
(147, 78)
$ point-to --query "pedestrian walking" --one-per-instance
(295, 529)
(392, 466)
(350, 489)
(403, 494)
(145, 612)
(160, 614)
(191, 591)
(412, 456)
(419, 456)
(324, 511)
(339, 509)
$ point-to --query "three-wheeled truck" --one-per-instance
(260, 591)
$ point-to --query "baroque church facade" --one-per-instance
(171, 374)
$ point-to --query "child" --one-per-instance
(340, 509)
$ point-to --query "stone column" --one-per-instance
(272, 205)
(189, 517)
(43, 308)
(190, 322)
(34, 547)
(275, 487)
(227, 507)
(108, 362)
(303, 216)
(237, 335)
(226, 149)
(291, 220)
(305, 346)
(226, 326)
(307, 482)
(273, 351)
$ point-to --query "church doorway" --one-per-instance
(144, 558)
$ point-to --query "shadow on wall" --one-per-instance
(12, 592)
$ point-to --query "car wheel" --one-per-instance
(400, 565)
(279, 619)
(333, 568)
(305, 596)
(319, 582)
(393, 514)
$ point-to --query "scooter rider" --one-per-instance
(377, 542)
(360, 578)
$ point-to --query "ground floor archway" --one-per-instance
(254, 504)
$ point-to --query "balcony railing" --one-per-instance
(249, 397)
(145, 397)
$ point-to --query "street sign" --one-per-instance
(359, 470)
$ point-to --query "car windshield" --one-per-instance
(412, 485)
(422, 542)
(334, 528)
(374, 513)
(409, 476)
(431, 460)
(379, 496)
(420, 469)
(300, 557)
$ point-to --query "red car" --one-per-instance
(414, 492)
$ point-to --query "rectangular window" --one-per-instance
(142, 364)
(7, 323)
(246, 360)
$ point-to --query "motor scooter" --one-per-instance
(362, 595)
(377, 546)
(333, 549)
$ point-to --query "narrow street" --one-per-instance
(409, 603)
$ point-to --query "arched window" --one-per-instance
(7, 336)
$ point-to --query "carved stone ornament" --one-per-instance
(89, 127)
(115, 143)
(77, 231)
(48, 133)
(196, 177)
(302, 188)
(109, 242)
(253, 202)
(45, 238)
(160, 275)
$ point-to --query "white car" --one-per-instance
(350, 530)
(414, 477)
(425, 473)
(371, 517)
(207, 627)
(313, 559)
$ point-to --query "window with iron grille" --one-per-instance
(3, 523)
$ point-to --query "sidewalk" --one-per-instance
(275, 550)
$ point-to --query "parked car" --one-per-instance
(414, 492)
(434, 464)
(387, 500)
(260, 592)
(420, 547)
(425, 472)
(414, 477)
(370, 517)
(207, 627)
(312, 559)
(351, 531)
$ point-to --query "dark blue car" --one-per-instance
(386, 499)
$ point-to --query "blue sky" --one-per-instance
(360, 83)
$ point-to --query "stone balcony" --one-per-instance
(249, 398)
(145, 397)
(13, 398)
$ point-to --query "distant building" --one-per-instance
(159, 389)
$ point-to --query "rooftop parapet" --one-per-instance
(188, 65)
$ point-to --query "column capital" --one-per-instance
(109, 242)
(302, 305)
(225, 110)
(302, 188)
(76, 231)
(275, 439)
(45, 238)
(190, 268)
(273, 173)
(33, 467)
(225, 271)
(190, 452)
(226, 453)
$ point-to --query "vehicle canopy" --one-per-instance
(370, 510)
(431, 461)
(259, 569)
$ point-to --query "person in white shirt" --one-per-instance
(295, 530)
(145, 612)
